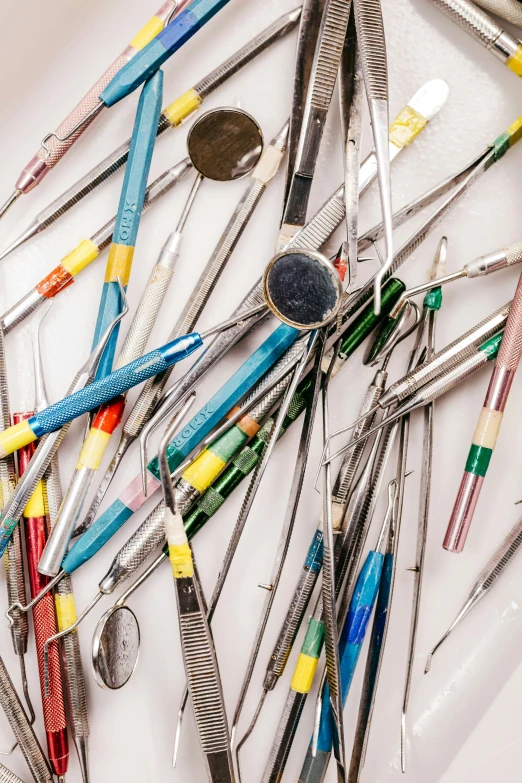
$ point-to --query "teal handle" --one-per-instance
(152, 56)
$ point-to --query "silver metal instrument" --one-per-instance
(14, 562)
(286, 532)
(149, 396)
(351, 93)
(382, 615)
(425, 339)
(486, 580)
(47, 448)
(102, 239)
(199, 655)
(480, 26)
(22, 729)
(113, 162)
(372, 45)
(322, 80)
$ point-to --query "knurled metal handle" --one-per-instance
(473, 20)
(495, 567)
(352, 460)
(510, 10)
(22, 729)
(6, 776)
(79, 114)
(449, 380)
(71, 654)
(145, 315)
(510, 349)
(242, 57)
(94, 395)
(291, 624)
(451, 355)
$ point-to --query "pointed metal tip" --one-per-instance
(295, 15)
(428, 663)
(82, 749)
(31, 231)
(9, 203)
(403, 743)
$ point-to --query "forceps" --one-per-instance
(199, 655)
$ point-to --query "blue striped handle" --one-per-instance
(166, 43)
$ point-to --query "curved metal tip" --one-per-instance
(249, 731)
(9, 203)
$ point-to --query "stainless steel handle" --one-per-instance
(22, 729)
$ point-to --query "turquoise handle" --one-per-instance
(152, 56)
(203, 422)
(130, 209)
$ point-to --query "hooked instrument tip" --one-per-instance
(9, 203)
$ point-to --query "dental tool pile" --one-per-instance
(286, 195)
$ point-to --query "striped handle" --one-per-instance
(152, 57)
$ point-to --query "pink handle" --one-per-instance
(46, 159)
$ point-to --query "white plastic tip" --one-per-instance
(430, 98)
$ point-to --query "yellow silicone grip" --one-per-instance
(15, 437)
(406, 127)
(36, 505)
(515, 131)
(93, 449)
(119, 264)
(202, 472)
(181, 108)
(514, 63)
(180, 558)
(65, 610)
(149, 31)
(80, 257)
(304, 673)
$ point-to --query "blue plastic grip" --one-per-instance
(351, 639)
(138, 163)
(230, 393)
(95, 537)
(152, 56)
(112, 385)
(211, 414)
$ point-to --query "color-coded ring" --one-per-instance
(406, 127)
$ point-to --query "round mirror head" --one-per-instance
(115, 647)
(302, 288)
(225, 144)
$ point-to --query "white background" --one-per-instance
(50, 55)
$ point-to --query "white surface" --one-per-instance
(66, 46)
